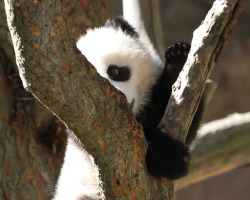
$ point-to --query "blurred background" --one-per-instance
(179, 18)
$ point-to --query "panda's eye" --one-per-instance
(118, 73)
(114, 72)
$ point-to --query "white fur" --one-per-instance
(103, 47)
(79, 178)
(106, 46)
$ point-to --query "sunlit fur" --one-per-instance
(106, 46)
(79, 178)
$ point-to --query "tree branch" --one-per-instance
(58, 75)
(223, 145)
(207, 44)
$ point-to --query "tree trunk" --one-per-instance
(25, 173)
(32, 140)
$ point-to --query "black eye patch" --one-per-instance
(118, 73)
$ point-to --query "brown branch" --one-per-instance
(78, 23)
(58, 75)
(207, 44)
(223, 146)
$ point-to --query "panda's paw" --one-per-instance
(177, 52)
(167, 157)
(176, 56)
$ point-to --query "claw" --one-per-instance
(176, 57)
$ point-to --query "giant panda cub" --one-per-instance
(120, 55)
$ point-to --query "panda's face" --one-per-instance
(123, 60)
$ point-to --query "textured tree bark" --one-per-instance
(31, 142)
(25, 172)
(56, 73)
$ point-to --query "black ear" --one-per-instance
(121, 23)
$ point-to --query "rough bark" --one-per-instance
(80, 15)
(207, 44)
(27, 128)
(25, 173)
(223, 146)
(58, 75)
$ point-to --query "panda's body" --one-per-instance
(119, 54)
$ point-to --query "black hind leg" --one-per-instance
(166, 156)
(176, 56)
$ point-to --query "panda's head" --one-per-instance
(118, 54)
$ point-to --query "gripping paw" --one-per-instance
(176, 56)
(177, 52)
(167, 157)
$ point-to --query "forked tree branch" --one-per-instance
(53, 70)
(61, 78)
(208, 42)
